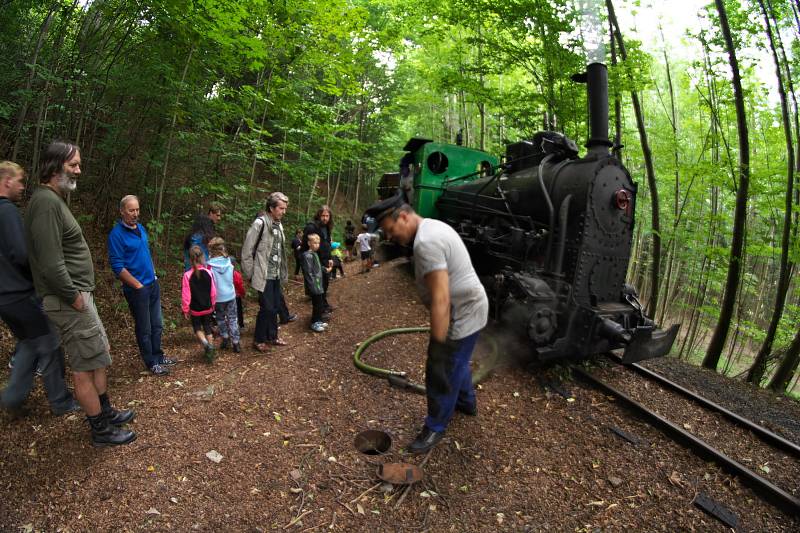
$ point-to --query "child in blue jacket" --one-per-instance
(227, 318)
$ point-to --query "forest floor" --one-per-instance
(284, 424)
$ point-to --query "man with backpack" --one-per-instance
(264, 265)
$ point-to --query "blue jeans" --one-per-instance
(37, 345)
(452, 388)
(145, 306)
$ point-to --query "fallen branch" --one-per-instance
(364, 493)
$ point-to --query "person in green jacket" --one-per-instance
(63, 275)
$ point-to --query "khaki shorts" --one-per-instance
(82, 333)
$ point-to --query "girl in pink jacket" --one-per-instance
(198, 296)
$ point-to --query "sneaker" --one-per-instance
(71, 407)
(317, 327)
(290, 318)
(166, 361)
(324, 324)
(237, 348)
(209, 353)
(159, 370)
(225, 342)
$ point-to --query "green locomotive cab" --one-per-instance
(429, 167)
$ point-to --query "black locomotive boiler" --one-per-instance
(550, 236)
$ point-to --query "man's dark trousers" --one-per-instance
(38, 345)
(145, 306)
(269, 302)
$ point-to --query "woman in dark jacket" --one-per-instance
(201, 232)
(322, 225)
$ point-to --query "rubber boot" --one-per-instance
(105, 434)
(115, 417)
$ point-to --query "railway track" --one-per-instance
(763, 487)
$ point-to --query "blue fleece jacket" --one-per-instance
(129, 250)
(223, 277)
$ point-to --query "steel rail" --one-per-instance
(766, 435)
(764, 488)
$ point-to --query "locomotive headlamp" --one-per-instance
(623, 200)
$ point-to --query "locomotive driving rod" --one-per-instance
(398, 378)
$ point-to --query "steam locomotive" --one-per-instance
(549, 234)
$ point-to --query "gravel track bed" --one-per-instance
(738, 443)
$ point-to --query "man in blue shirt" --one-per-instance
(129, 257)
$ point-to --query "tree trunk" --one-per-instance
(652, 303)
(171, 135)
(260, 130)
(23, 110)
(740, 214)
(617, 147)
(756, 373)
(787, 367)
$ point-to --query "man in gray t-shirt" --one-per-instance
(449, 287)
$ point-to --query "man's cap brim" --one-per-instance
(384, 208)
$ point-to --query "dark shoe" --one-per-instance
(158, 370)
(118, 418)
(262, 347)
(290, 318)
(325, 317)
(237, 348)
(469, 410)
(225, 343)
(71, 407)
(426, 440)
(209, 353)
(106, 434)
(168, 362)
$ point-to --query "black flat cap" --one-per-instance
(384, 208)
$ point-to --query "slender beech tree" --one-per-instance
(735, 260)
(652, 303)
(757, 370)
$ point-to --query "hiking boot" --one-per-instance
(426, 440)
(225, 343)
(114, 417)
(158, 370)
(237, 348)
(118, 418)
(106, 434)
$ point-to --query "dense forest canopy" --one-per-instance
(184, 102)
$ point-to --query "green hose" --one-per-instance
(398, 378)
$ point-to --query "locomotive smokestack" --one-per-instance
(596, 79)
